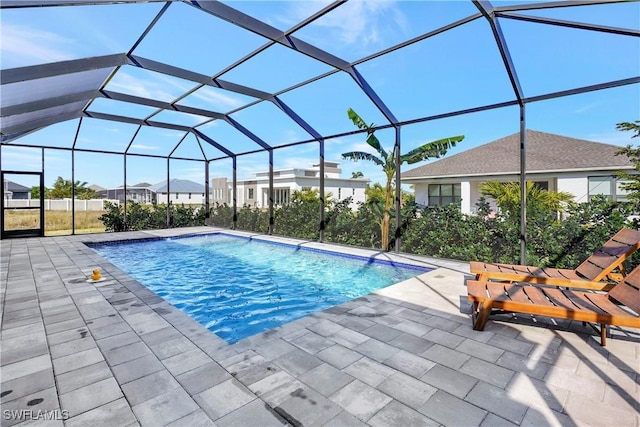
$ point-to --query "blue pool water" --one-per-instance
(238, 287)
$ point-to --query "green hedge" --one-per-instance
(439, 232)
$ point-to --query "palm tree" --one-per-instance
(507, 197)
(433, 149)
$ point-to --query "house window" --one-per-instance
(608, 186)
(176, 196)
(250, 194)
(544, 185)
(353, 191)
(189, 196)
(339, 193)
(444, 194)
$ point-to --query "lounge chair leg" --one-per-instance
(603, 334)
(481, 314)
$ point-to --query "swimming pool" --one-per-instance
(238, 286)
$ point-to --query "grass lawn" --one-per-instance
(56, 223)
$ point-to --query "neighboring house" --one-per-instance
(14, 191)
(180, 191)
(554, 162)
(141, 193)
(254, 192)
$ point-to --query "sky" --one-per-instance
(455, 70)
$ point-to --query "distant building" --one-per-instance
(255, 192)
(141, 193)
(180, 191)
(554, 162)
(15, 191)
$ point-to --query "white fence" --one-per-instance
(61, 205)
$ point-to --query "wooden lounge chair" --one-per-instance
(596, 272)
(620, 306)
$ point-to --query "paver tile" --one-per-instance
(369, 371)
(408, 390)
(360, 399)
(409, 363)
(25, 367)
(376, 350)
(450, 411)
(43, 400)
(77, 360)
(255, 413)
(223, 398)
(488, 372)
(326, 379)
(197, 418)
(307, 407)
(165, 408)
(91, 396)
(136, 368)
(497, 401)
(148, 387)
(82, 377)
(297, 362)
(202, 378)
(27, 384)
(116, 413)
(397, 414)
(344, 419)
(447, 379)
(338, 356)
(187, 361)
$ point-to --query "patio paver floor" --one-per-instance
(114, 353)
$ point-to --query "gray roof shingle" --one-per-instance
(178, 186)
(545, 152)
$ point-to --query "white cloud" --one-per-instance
(22, 45)
(148, 88)
(356, 22)
(144, 147)
(218, 99)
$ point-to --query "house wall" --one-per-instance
(576, 183)
(339, 189)
(180, 198)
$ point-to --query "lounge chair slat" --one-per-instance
(591, 271)
(628, 236)
(556, 273)
(558, 298)
(616, 248)
(607, 305)
(535, 295)
(602, 260)
(581, 300)
(516, 293)
(627, 295)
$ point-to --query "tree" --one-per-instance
(632, 184)
(62, 188)
(387, 161)
(35, 192)
(357, 174)
(507, 197)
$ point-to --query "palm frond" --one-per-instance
(372, 140)
(431, 150)
(357, 120)
(375, 143)
(361, 155)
